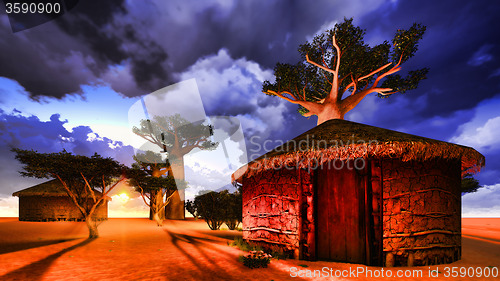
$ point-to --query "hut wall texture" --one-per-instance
(421, 212)
(54, 208)
(277, 210)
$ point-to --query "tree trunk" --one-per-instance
(92, 226)
(156, 217)
(175, 209)
(330, 111)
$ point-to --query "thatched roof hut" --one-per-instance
(341, 139)
(49, 201)
(382, 179)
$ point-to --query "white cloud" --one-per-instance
(233, 87)
(484, 137)
(483, 130)
(483, 203)
(9, 207)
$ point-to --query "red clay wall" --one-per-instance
(421, 212)
(43, 208)
(272, 212)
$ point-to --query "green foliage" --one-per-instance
(306, 82)
(175, 134)
(217, 208)
(256, 259)
(243, 245)
(210, 207)
(469, 184)
(190, 207)
(234, 209)
(149, 173)
(74, 170)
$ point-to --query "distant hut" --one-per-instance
(355, 193)
(49, 201)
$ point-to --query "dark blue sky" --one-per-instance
(83, 70)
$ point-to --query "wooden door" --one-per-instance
(341, 225)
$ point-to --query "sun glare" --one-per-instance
(123, 197)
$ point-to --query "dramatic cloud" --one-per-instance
(482, 131)
(85, 46)
(452, 83)
(48, 136)
(238, 92)
(125, 43)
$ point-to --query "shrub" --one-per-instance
(217, 208)
(190, 207)
(244, 245)
(256, 259)
(210, 207)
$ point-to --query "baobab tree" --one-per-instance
(338, 70)
(175, 136)
(87, 180)
(149, 177)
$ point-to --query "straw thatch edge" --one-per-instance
(471, 160)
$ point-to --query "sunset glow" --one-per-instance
(122, 197)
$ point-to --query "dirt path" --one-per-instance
(136, 249)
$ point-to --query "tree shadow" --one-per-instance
(225, 234)
(36, 270)
(14, 247)
(212, 268)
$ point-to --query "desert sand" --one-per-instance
(136, 249)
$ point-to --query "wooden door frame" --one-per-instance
(373, 251)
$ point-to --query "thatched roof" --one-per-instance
(341, 139)
(49, 188)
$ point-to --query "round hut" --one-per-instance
(49, 201)
(349, 192)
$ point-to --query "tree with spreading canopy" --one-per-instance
(175, 136)
(338, 69)
(148, 176)
(87, 180)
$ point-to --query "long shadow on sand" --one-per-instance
(199, 243)
(36, 270)
(210, 270)
(225, 234)
(14, 247)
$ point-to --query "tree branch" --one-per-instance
(320, 66)
(72, 195)
(142, 195)
(335, 86)
(167, 200)
(90, 189)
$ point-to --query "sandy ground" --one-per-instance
(136, 249)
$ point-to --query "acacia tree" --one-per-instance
(177, 137)
(87, 180)
(337, 70)
(148, 176)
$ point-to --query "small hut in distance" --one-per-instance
(49, 201)
(349, 192)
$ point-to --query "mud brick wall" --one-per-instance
(272, 213)
(421, 212)
(54, 208)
